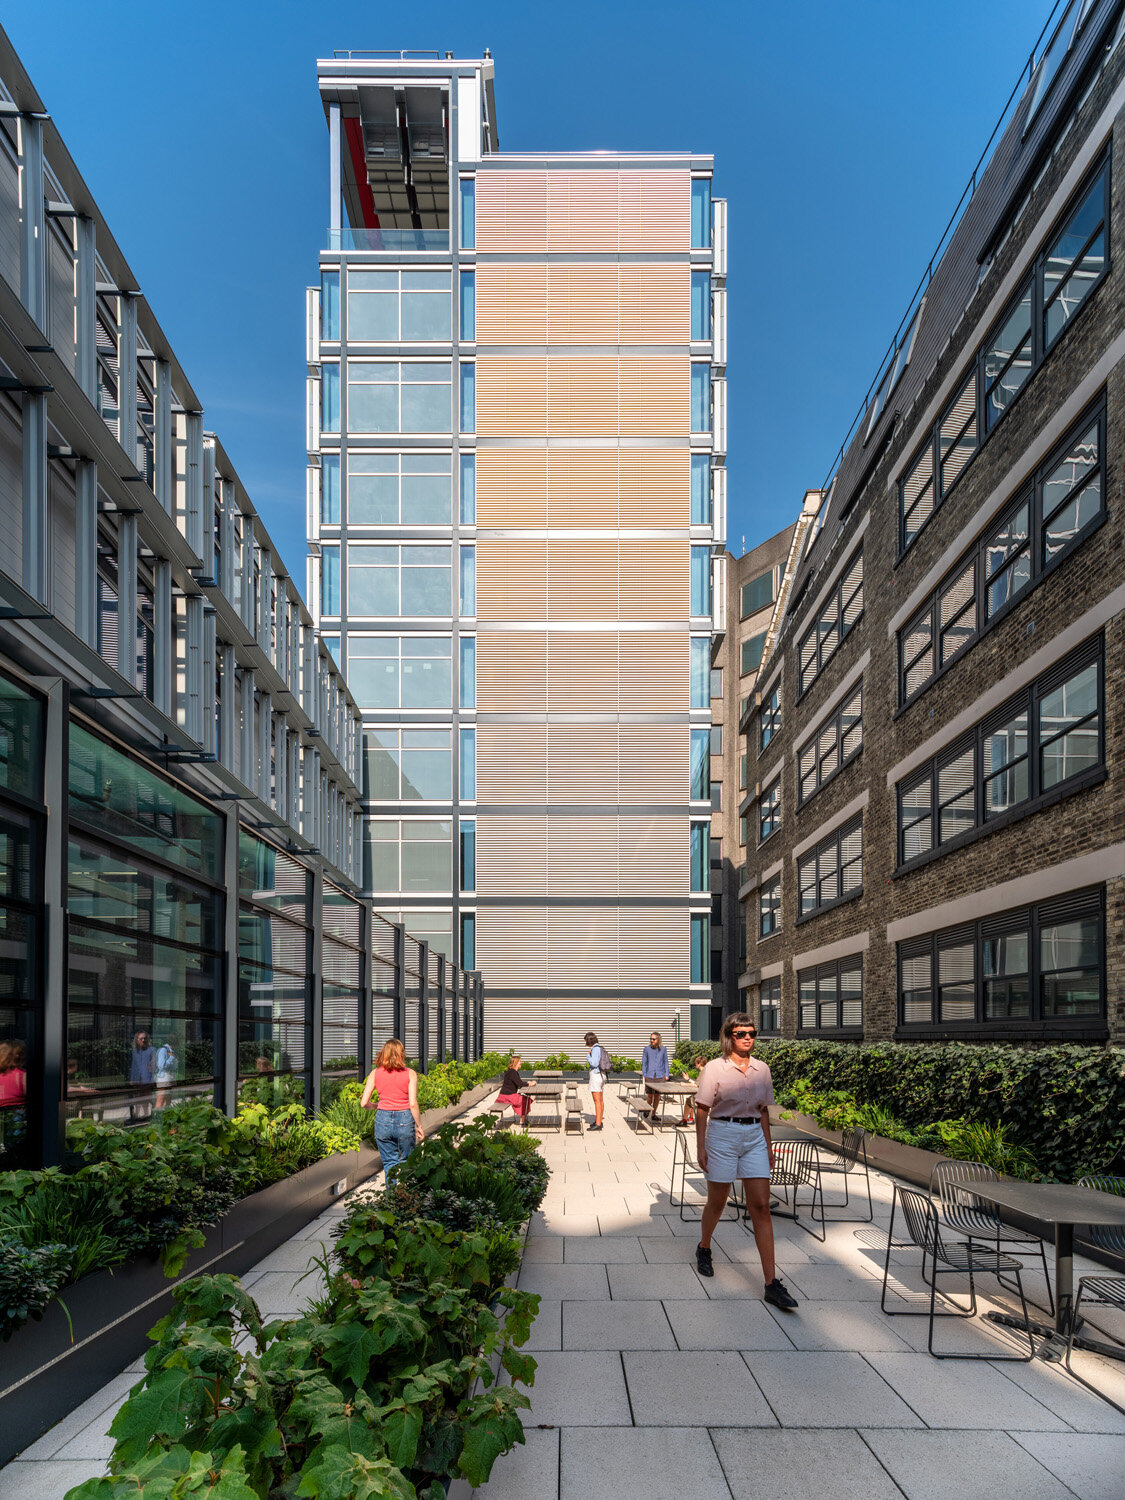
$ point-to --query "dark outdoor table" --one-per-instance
(533, 1091)
(1064, 1205)
(669, 1088)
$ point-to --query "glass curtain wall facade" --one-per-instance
(516, 433)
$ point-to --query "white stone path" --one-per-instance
(653, 1381)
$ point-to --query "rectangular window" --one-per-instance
(700, 305)
(468, 854)
(392, 307)
(468, 306)
(330, 489)
(399, 489)
(468, 778)
(769, 908)
(756, 595)
(700, 398)
(385, 396)
(468, 941)
(833, 871)
(330, 305)
(468, 489)
(716, 682)
(391, 671)
(1034, 965)
(700, 662)
(700, 581)
(831, 996)
(700, 949)
(751, 653)
(1045, 739)
(716, 739)
(743, 834)
(838, 616)
(769, 718)
(700, 489)
(743, 772)
(700, 857)
(769, 811)
(468, 215)
(467, 693)
(838, 740)
(387, 581)
(408, 765)
(769, 1004)
(1067, 270)
(330, 580)
(701, 213)
(468, 398)
(330, 398)
(1064, 503)
(412, 856)
(468, 581)
(700, 765)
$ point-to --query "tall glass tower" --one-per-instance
(516, 435)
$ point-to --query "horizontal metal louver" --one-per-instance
(582, 579)
(655, 210)
(654, 857)
(654, 670)
(511, 945)
(511, 304)
(511, 210)
(511, 671)
(511, 764)
(582, 764)
(582, 671)
(582, 487)
(583, 304)
(655, 302)
(654, 948)
(511, 578)
(582, 396)
(582, 855)
(655, 396)
(511, 854)
(655, 578)
(511, 396)
(655, 487)
(512, 486)
(582, 210)
(653, 764)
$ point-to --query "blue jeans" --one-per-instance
(394, 1136)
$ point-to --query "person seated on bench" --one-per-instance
(510, 1086)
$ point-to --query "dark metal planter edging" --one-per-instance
(914, 1165)
(44, 1374)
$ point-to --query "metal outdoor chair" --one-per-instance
(1099, 1289)
(796, 1164)
(684, 1161)
(848, 1159)
(966, 1213)
(960, 1258)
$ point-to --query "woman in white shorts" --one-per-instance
(594, 1059)
(732, 1133)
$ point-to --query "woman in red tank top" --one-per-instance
(391, 1090)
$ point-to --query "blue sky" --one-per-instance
(843, 135)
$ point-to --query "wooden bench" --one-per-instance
(574, 1113)
(637, 1105)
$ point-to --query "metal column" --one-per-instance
(86, 551)
(400, 982)
(228, 1075)
(33, 220)
(423, 1006)
(441, 1004)
(315, 1028)
(56, 781)
(35, 567)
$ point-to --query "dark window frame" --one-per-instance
(769, 809)
(836, 838)
(836, 970)
(1027, 700)
(975, 557)
(1040, 349)
(767, 888)
(833, 719)
(1087, 902)
(743, 613)
(841, 626)
(770, 1005)
(769, 715)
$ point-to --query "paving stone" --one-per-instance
(694, 1390)
(976, 1396)
(565, 1281)
(46, 1479)
(628, 1463)
(616, 1325)
(579, 1389)
(844, 1327)
(532, 1468)
(1089, 1464)
(963, 1466)
(725, 1325)
(647, 1282)
(105, 1400)
(546, 1330)
(791, 1465)
(606, 1250)
(809, 1388)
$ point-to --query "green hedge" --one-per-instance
(1064, 1104)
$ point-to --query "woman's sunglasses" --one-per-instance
(741, 1032)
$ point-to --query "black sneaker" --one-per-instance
(703, 1261)
(780, 1296)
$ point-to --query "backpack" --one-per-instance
(606, 1064)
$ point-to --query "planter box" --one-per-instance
(46, 1373)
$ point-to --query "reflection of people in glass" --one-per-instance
(167, 1068)
(13, 1074)
(73, 1087)
(142, 1072)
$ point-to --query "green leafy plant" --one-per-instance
(74, 1213)
(30, 1279)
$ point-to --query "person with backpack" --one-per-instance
(601, 1066)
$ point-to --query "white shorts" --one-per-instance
(597, 1082)
(735, 1152)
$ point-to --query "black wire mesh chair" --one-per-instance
(796, 1164)
(966, 1213)
(848, 1159)
(961, 1259)
(683, 1160)
(1099, 1289)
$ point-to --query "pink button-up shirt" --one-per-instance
(726, 1090)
